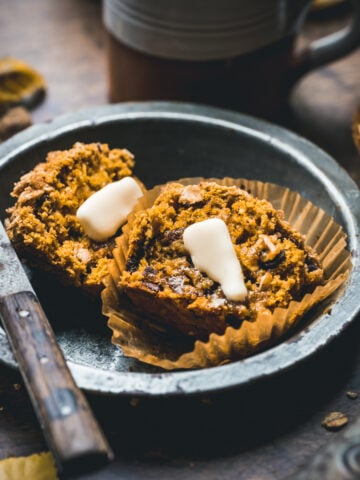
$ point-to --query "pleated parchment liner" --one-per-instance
(140, 337)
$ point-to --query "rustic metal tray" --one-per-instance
(173, 140)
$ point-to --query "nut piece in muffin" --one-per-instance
(43, 225)
(161, 279)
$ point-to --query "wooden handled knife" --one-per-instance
(71, 431)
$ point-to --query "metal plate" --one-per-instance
(173, 140)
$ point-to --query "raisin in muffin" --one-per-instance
(42, 224)
(161, 280)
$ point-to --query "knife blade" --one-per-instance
(69, 426)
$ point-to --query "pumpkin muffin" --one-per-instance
(42, 224)
(160, 278)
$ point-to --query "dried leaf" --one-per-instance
(20, 84)
(39, 466)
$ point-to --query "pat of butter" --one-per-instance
(106, 210)
(212, 252)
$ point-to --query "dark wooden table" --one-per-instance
(266, 431)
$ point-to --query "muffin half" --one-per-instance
(161, 277)
(42, 224)
(192, 324)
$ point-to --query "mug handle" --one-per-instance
(329, 48)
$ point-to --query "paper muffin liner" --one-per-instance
(140, 337)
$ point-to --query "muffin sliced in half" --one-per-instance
(43, 224)
(167, 306)
(160, 276)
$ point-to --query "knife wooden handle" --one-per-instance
(69, 426)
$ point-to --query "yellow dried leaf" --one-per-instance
(20, 84)
(39, 466)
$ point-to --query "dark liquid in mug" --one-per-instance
(255, 83)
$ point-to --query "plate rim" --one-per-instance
(284, 356)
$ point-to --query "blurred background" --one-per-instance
(66, 42)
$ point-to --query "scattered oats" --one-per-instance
(191, 194)
(83, 254)
(352, 395)
(217, 302)
(16, 386)
(335, 421)
(268, 242)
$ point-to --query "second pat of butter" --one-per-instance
(106, 210)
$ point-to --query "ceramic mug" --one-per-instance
(237, 54)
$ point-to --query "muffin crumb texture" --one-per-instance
(42, 223)
(160, 278)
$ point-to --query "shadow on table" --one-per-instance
(230, 422)
(276, 420)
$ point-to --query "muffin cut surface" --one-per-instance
(42, 223)
(161, 279)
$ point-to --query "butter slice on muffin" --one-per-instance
(43, 224)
